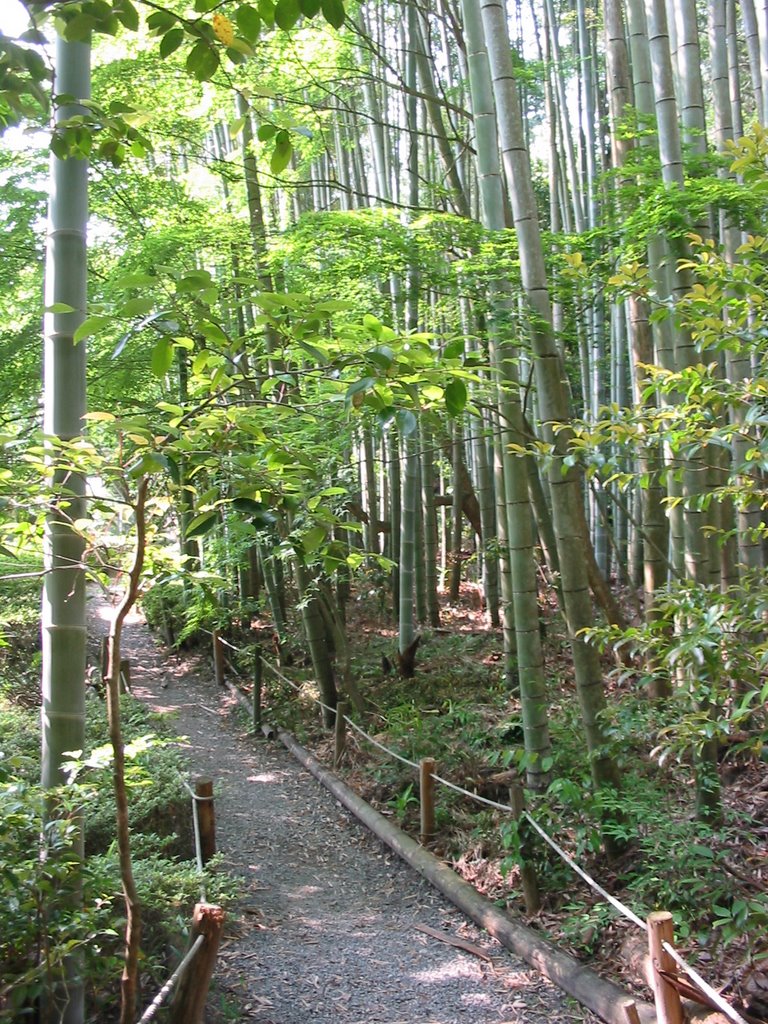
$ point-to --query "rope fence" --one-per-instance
(667, 997)
(151, 1011)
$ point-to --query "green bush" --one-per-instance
(47, 922)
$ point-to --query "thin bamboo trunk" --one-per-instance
(552, 394)
(64, 404)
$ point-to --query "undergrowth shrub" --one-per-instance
(181, 609)
(44, 924)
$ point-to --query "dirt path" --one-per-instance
(325, 927)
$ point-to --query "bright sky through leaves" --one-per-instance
(14, 19)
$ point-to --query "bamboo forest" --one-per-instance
(401, 366)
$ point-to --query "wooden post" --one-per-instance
(218, 658)
(125, 675)
(339, 733)
(427, 799)
(669, 1009)
(258, 673)
(188, 1003)
(206, 819)
(630, 1011)
(104, 658)
(528, 877)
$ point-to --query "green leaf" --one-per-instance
(91, 325)
(79, 28)
(135, 281)
(382, 356)
(161, 22)
(162, 357)
(372, 324)
(309, 8)
(386, 417)
(235, 127)
(59, 307)
(212, 332)
(171, 41)
(266, 131)
(312, 539)
(406, 422)
(333, 12)
(281, 156)
(127, 15)
(267, 11)
(358, 388)
(248, 20)
(201, 524)
(455, 397)
(202, 61)
(454, 349)
(137, 307)
(287, 13)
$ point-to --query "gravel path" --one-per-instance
(325, 931)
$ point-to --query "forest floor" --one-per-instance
(326, 925)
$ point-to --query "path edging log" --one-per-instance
(602, 997)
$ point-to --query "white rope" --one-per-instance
(715, 996)
(397, 757)
(278, 673)
(198, 841)
(571, 863)
(630, 914)
(162, 995)
(474, 796)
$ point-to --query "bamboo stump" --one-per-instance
(528, 879)
(188, 1004)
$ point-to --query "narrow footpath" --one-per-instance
(325, 930)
